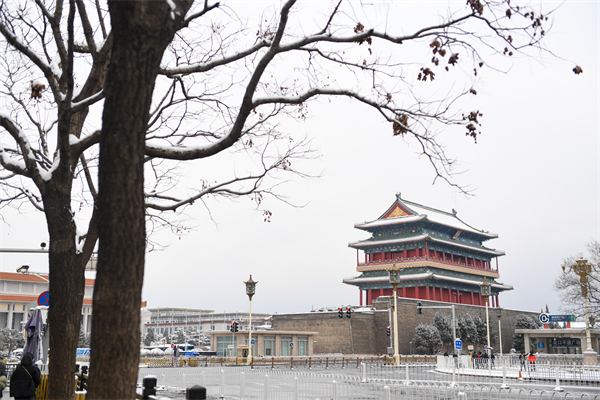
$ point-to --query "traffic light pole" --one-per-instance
(396, 355)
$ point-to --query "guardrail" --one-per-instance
(283, 362)
(243, 382)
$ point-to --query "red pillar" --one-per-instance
(497, 301)
(360, 296)
(417, 292)
(427, 293)
(472, 298)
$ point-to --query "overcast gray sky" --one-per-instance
(534, 172)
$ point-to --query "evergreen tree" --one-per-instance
(84, 340)
(426, 338)
(150, 337)
(11, 339)
(524, 322)
(166, 336)
(443, 323)
(481, 328)
(467, 329)
(180, 337)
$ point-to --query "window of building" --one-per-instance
(303, 346)
(27, 287)
(12, 287)
(16, 322)
(269, 345)
(223, 343)
(286, 349)
(3, 306)
(254, 346)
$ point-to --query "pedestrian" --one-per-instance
(522, 360)
(486, 359)
(493, 358)
(25, 379)
(455, 357)
(532, 361)
(3, 380)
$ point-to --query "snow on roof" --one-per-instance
(425, 275)
(374, 242)
(370, 242)
(423, 212)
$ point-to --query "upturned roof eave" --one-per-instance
(371, 242)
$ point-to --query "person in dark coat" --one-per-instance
(25, 379)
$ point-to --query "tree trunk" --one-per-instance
(66, 287)
(141, 32)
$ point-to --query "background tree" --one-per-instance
(84, 340)
(568, 285)
(166, 337)
(11, 339)
(426, 339)
(524, 322)
(218, 91)
(149, 338)
(443, 323)
(181, 337)
(467, 329)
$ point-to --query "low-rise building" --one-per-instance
(19, 292)
(266, 343)
(172, 320)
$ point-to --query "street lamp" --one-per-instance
(250, 290)
(394, 273)
(583, 268)
(499, 315)
(486, 292)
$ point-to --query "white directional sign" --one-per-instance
(458, 344)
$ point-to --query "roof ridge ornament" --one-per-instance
(453, 211)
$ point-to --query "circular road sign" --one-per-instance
(544, 318)
(44, 299)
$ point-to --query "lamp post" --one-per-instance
(583, 268)
(250, 290)
(499, 315)
(486, 292)
(394, 273)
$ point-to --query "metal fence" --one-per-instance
(246, 383)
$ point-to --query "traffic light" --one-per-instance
(236, 326)
(387, 331)
(340, 313)
(348, 312)
(419, 309)
(231, 327)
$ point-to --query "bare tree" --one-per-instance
(569, 285)
(178, 81)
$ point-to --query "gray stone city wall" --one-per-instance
(365, 332)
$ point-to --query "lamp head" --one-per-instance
(250, 287)
(24, 269)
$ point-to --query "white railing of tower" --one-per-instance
(246, 383)
(491, 267)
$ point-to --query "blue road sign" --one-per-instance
(544, 318)
(562, 318)
(458, 344)
(252, 341)
(291, 344)
(541, 345)
(44, 299)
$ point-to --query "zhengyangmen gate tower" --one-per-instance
(442, 258)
